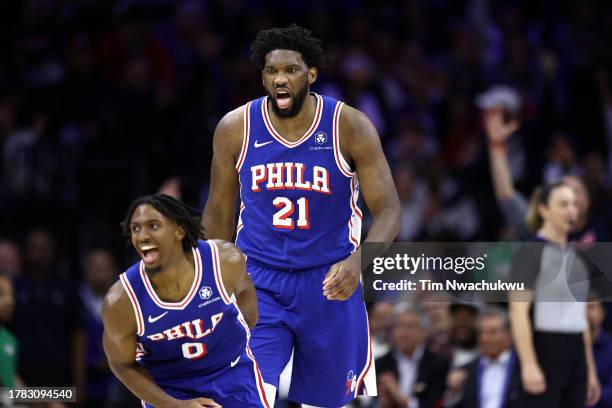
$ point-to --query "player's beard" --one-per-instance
(296, 107)
(153, 270)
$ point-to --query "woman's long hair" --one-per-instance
(539, 196)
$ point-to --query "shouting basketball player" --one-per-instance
(299, 161)
(176, 324)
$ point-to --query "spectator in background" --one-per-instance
(602, 349)
(413, 195)
(100, 272)
(30, 160)
(501, 108)
(492, 380)
(381, 323)
(8, 343)
(463, 333)
(46, 321)
(436, 306)
(10, 259)
(410, 373)
(561, 159)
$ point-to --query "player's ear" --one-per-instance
(179, 232)
(312, 75)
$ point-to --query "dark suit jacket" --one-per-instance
(431, 376)
(470, 398)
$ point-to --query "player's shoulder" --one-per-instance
(117, 312)
(355, 127)
(353, 118)
(229, 133)
(116, 299)
(228, 252)
(232, 121)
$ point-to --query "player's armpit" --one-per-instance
(237, 281)
(218, 214)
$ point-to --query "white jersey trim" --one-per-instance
(368, 374)
(313, 126)
(140, 330)
(245, 136)
(227, 299)
(340, 161)
(258, 377)
(356, 219)
(192, 290)
(240, 224)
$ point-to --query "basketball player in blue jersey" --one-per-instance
(176, 324)
(298, 161)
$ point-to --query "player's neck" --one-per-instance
(173, 281)
(294, 128)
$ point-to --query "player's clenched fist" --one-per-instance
(342, 279)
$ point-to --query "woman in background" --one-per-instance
(549, 323)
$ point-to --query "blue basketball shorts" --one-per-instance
(332, 362)
(239, 385)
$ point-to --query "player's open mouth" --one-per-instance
(150, 253)
(283, 99)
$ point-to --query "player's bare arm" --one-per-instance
(218, 215)
(237, 281)
(360, 144)
(119, 341)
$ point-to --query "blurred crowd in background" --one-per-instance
(103, 101)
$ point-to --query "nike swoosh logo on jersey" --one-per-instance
(156, 318)
(257, 144)
(233, 363)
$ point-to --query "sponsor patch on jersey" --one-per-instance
(205, 292)
(320, 138)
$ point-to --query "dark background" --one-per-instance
(103, 101)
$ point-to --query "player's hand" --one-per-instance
(593, 389)
(497, 130)
(533, 379)
(197, 403)
(342, 279)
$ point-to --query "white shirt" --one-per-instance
(408, 369)
(462, 357)
(493, 380)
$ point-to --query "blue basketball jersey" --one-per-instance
(298, 199)
(196, 338)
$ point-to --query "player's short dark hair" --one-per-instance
(187, 217)
(293, 38)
